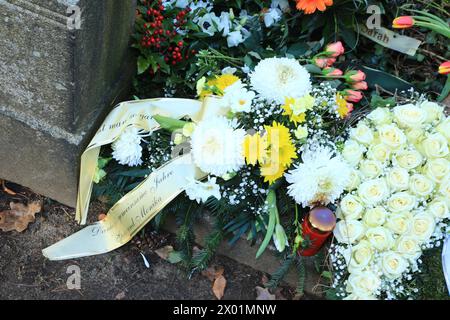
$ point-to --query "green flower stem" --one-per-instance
(273, 214)
(441, 30)
(445, 91)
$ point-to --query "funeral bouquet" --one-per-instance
(270, 155)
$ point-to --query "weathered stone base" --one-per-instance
(43, 161)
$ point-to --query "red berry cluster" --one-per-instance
(163, 38)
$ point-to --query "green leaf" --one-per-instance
(379, 102)
(143, 64)
(169, 123)
(175, 257)
(298, 49)
(349, 37)
(445, 91)
(313, 69)
(385, 80)
(273, 213)
(326, 274)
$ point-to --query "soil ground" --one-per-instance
(121, 274)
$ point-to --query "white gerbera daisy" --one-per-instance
(217, 147)
(238, 98)
(201, 191)
(277, 78)
(320, 179)
(127, 148)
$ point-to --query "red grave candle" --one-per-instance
(317, 227)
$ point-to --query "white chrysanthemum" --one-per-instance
(127, 148)
(217, 146)
(321, 178)
(277, 78)
(201, 191)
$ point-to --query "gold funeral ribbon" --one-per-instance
(131, 213)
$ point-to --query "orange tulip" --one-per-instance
(444, 68)
(310, 6)
(403, 22)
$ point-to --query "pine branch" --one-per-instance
(301, 276)
(280, 273)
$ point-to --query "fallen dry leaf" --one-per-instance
(264, 294)
(164, 252)
(19, 216)
(120, 295)
(6, 189)
(279, 294)
(219, 287)
(212, 273)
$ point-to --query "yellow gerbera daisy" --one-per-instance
(281, 152)
(222, 82)
(272, 173)
(255, 149)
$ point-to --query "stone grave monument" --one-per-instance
(63, 65)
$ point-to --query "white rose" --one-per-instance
(401, 201)
(363, 283)
(359, 256)
(356, 297)
(380, 116)
(398, 179)
(415, 135)
(393, 264)
(409, 116)
(391, 135)
(373, 191)
(423, 225)
(380, 238)
(399, 223)
(435, 146)
(352, 152)
(437, 169)
(379, 152)
(408, 159)
(433, 110)
(374, 217)
(408, 247)
(439, 208)
(444, 128)
(444, 188)
(420, 185)
(354, 180)
(362, 133)
(371, 169)
(351, 207)
(348, 231)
